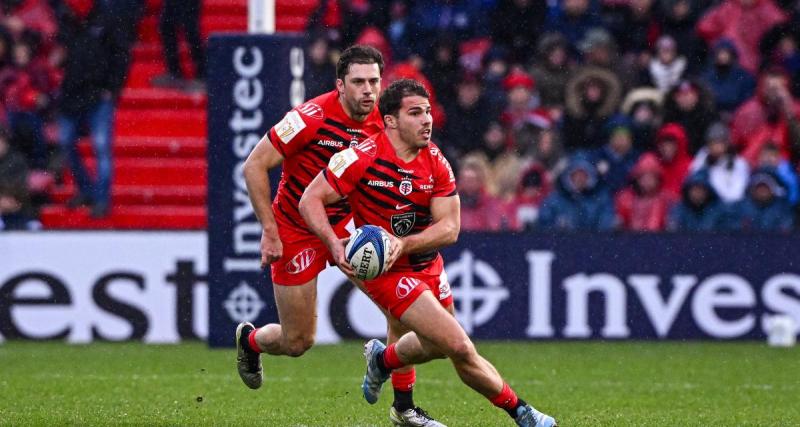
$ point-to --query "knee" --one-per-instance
(297, 346)
(461, 350)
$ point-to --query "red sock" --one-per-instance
(404, 381)
(507, 399)
(390, 359)
(251, 340)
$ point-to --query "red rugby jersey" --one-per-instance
(391, 193)
(307, 137)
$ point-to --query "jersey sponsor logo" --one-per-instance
(368, 147)
(330, 143)
(426, 187)
(405, 187)
(444, 289)
(405, 285)
(290, 126)
(301, 261)
(312, 110)
(406, 171)
(379, 183)
(341, 161)
(403, 223)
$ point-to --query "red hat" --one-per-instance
(81, 8)
(518, 78)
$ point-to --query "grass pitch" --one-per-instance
(581, 384)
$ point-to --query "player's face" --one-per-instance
(360, 88)
(414, 121)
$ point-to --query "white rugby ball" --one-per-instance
(367, 251)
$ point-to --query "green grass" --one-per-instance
(582, 384)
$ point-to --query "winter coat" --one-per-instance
(710, 217)
(730, 87)
(584, 128)
(568, 209)
(776, 215)
(644, 212)
(744, 26)
(728, 175)
(675, 171)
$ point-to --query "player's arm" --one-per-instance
(446, 216)
(317, 195)
(256, 175)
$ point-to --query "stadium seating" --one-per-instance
(160, 134)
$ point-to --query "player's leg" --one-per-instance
(441, 332)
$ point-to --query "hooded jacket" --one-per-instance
(573, 210)
(584, 127)
(685, 216)
(644, 212)
(675, 170)
(776, 215)
(731, 86)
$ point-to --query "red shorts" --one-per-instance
(304, 256)
(396, 291)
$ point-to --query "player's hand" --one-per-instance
(271, 248)
(395, 250)
(337, 252)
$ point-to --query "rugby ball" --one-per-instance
(367, 251)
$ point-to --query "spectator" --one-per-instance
(691, 106)
(673, 155)
(465, 134)
(29, 86)
(592, 97)
(522, 106)
(549, 152)
(667, 68)
(319, 67)
(730, 84)
(771, 116)
(6, 44)
(532, 189)
(442, 69)
(33, 16)
(743, 22)
(478, 207)
(505, 173)
(436, 18)
(15, 212)
(398, 30)
(727, 172)
(636, 27)
(572, 18)
(644, 205)
(495, 68)
(786, 54)
(765, 208)
(770, 158)
(679, 19)
(579, 202)
(495, 141)
(516, 24)
(617, 157)
(552, 70)
(411, 70)
(94, 72)
(599, 50)
(643, 108)
(185, 15)
(699, 209)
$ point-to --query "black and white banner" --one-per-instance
(87, 286)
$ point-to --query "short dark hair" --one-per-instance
(358, 54)
(392, 96)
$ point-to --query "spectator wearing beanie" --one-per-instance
(617, 157)
(728, 173)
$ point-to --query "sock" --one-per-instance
(508, 401)
(390, 359)
(251, 341)
(403, 385)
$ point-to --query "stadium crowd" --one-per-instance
(642, 115)
(595, 115)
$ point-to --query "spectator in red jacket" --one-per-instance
(645, 204)
(770, 116)
(672, 151)
(523, 210)
(743, 22)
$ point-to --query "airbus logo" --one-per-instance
(476, 304)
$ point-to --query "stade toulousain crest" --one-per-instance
(403, 223)
(405, 187)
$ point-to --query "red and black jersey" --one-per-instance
(391, 193)
(307, 137)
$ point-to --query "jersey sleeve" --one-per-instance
(345, 169)
(444, 181)
(293, 132)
